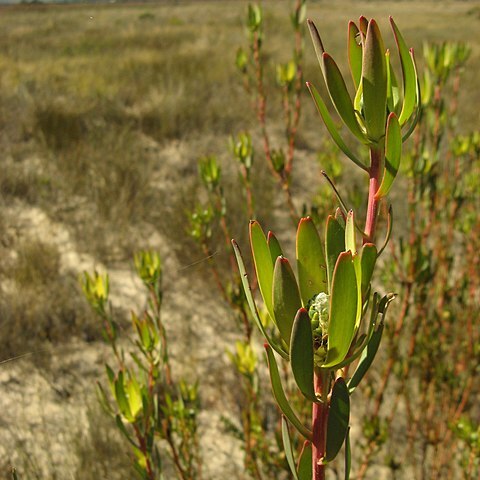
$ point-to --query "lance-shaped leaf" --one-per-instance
(340, 96)
(121, 397)
(418, 106)
(332, 129)
(358, 275)
(348, 455)
(350, 237)
(362, 341)
(351, 245)
(338, 419)
(274, 247)
(393, 155)
(305, 462)
(251, 302)
(363, 23)
(311, 266)
(317, 43)
(358, 103)
(374, 82)
(103, 400)
(287, 448)
(111, 378)
(389, 230)
(334, 245)
(354, 53)
(343, 310)
(286, 297)
(366, 358)
(301, 354)
(374, 337)
(341, 215)
(393, 91)
(134, 396)
(409, 75)
(368, 260)
(124, 430)
(263, 264)
(280, 397)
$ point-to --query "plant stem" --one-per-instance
(297, 104)
(319, 428)
(261, 107)
(376, 160)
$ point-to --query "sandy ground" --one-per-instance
(46, 396)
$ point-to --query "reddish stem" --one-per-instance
(261, 107)
(319, 429)
(376, 159)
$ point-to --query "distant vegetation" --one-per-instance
(105, 111)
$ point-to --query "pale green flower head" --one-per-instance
(318, 312)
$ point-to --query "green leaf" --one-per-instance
(358, 275)
(368, 260)
(287, 447)
(334, 245)
(251, 301)
(418, 106)
(317, 43)
(389, 230)
(354, 54)
(121, 397)
(338, 419)
(280, 397)
(111, 378)
(348, 456)
(341, 216)
(409, 75)
(145, 336)
(393, 91)
(350, 237)
(374, 82)
(358, 102)
(134, 396)
(123, 429)
(393, 155)
(373, 338)
(254, 17)
(263, 264)
(340, 96)
(363, 23)
(332, 129)
(305, 462)
(286, 297)
(366, 359)
(385, 303)
(311, 266)
(274, 247)
(301, 354)
(343, 310)
(103, 399)
(302, 12)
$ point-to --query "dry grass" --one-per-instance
(43, 304)
(104, 111)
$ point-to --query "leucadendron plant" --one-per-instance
(427, 369)
(214, 217)
(156, 415)
(327, 315)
